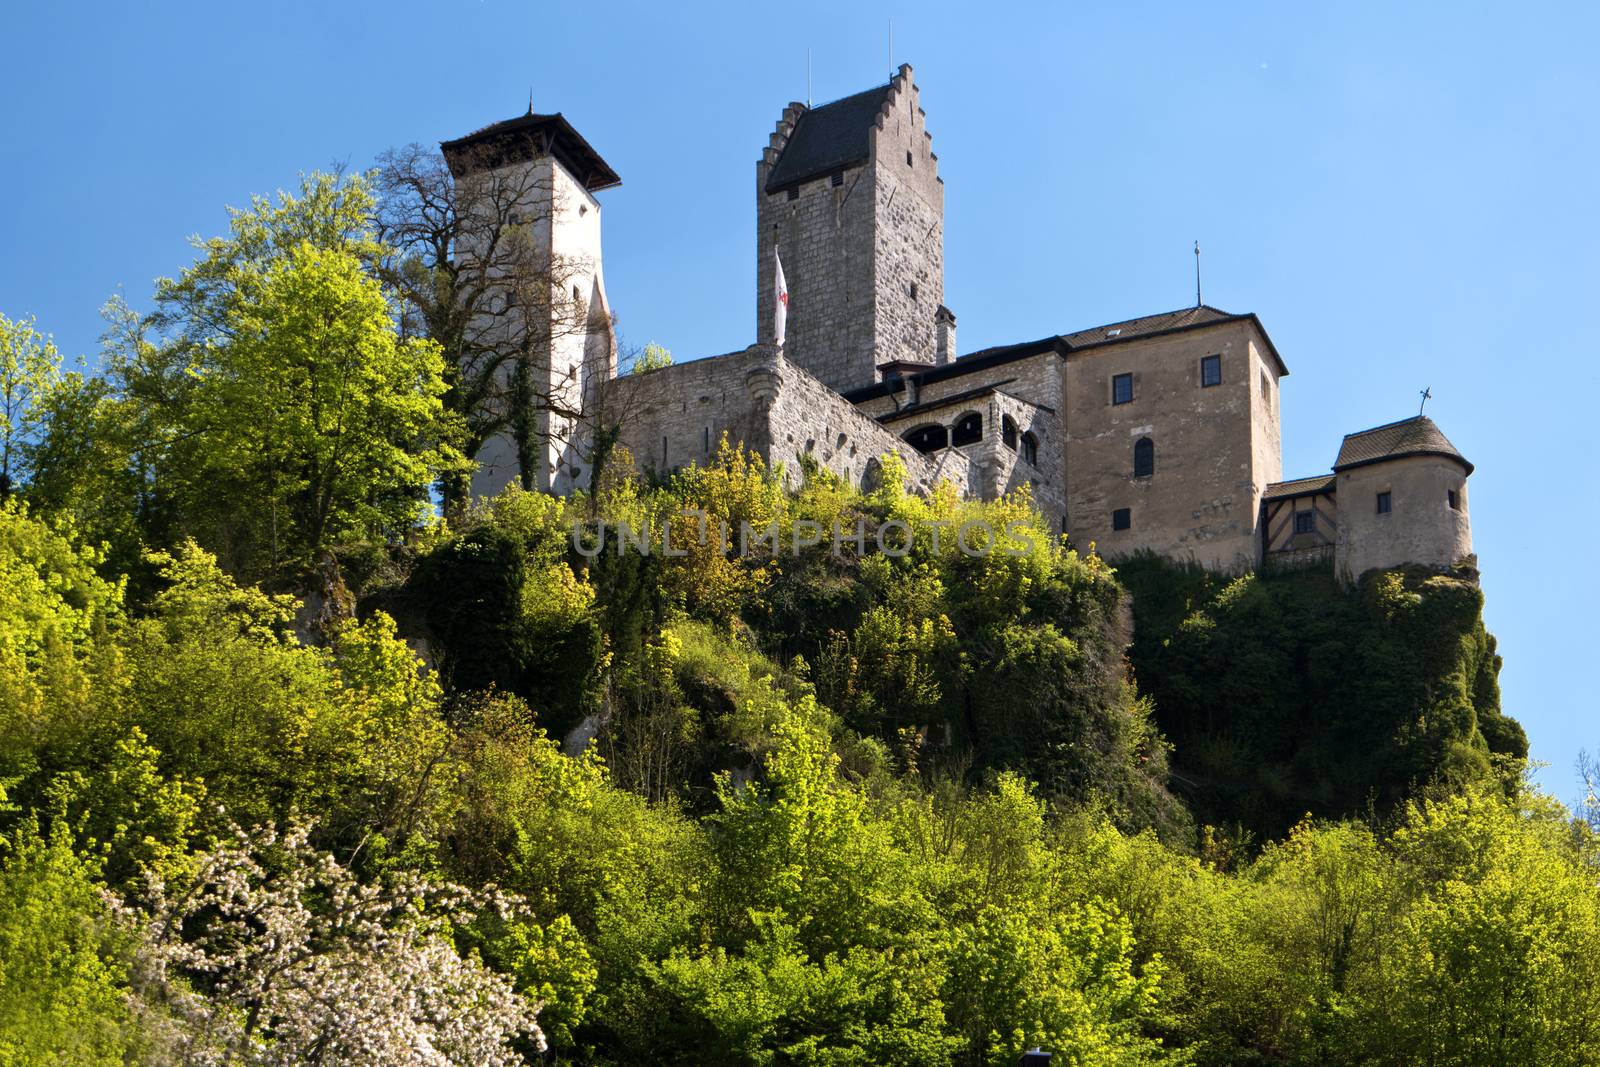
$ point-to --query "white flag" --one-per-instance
(780, 302)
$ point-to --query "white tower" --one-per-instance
(530, 218)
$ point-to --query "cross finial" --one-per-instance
(1427, 395)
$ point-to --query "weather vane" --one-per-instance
(1427, 395)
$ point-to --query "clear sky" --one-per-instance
(1405, 193)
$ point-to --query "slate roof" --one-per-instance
(827, 138)
(522, 138)
(1416, 436)
(1067, 344)
(1147, 324)
(1323, 483)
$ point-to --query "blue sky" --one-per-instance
(1406, 194)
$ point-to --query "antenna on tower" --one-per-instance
(891, 49)
(808, 78)
(530, 99)
(1197, 301)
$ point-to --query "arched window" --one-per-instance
(1008, 431)
(968, 431)
(927, 439)
(1144, 458)
(1030, 450)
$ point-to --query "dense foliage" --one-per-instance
(1285, 694)
(292, 772)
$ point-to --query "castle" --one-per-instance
(1159, 433)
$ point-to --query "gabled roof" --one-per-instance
(1416, 436)
(1323, 483)
(827, 138)
(525, 137)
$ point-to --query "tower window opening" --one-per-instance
(1122, 519)
(968, 430)
(1144, 458)
(1305, 522)
(1210, 371)
(908, 158)
(1454, 498)
(794, 192)
(1385, 503)
(707, 440)
(913, 290)
(1030, 450)
(837, 179)
(1122, 389)
(1008, 431)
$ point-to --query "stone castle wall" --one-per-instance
(1420, 527)
(908, 229)
(1203, 501)
(675, 416)
(825, 236)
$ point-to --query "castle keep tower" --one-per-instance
(530, 231)
(850, 194)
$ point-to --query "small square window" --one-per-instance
(1122, 388)
(1121, 519)
(837, 179)
(1455, 499)
(1385, 504)
(1305, 522)
(794, 192)
(1210, 370)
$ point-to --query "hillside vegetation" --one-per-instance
(294, 770)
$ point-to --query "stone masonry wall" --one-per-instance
(908, 229)
(675, 416)
(1202, 502)
(1420, 526)
(825, 239)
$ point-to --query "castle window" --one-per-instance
(794, 192)
(1144, 458)
(1008, 431)
(1305, 522)
(837, 179)
(1385, 503)
(1210, 370)
(1030, 450)
(1454, 498)
(1122, 519)
(913, 290)
(1266, 389)
(908, 157)
(1122, 389)
(968, 431)
(706, 434)
(927, 439)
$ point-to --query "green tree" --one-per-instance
(62, 960)
(29, 367)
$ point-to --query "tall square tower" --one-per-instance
(850, 197)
